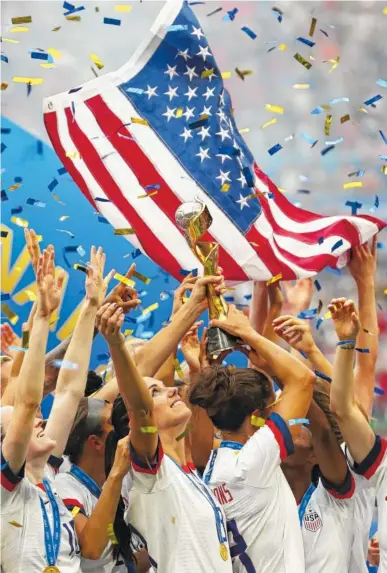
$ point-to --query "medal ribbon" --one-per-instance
(51, 540)
(305, 501)
(86, 480)
(199, 485)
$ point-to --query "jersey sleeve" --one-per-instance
(342, 492)
(149, 476)
(72, 496)
(265, 450)
(375, 463)
(10, 483)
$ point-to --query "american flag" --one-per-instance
(159, 132)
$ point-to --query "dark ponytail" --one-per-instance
(231, 394)
(87, 422)
(122, 531)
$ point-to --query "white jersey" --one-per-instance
(261, 512)
(22, 526)
(374, 468)
(326, 516)
(76, 494)
(175, 514)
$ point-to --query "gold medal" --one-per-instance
(51, 569)
(223, 552)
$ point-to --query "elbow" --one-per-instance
(341, 411)
(92, 553)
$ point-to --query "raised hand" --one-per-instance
(345, 318)
(295, 332)
(49, 289)
(236, 322)
(123, 295)
(109, 320)
(299, 295)
(33, 247)
(190, 347)
(362, 265)
(95, 284)
(178, 298)
(8, 338)
(199, 292)
(122, 462)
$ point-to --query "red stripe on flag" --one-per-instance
(266, 253)
(147, 174)
(151, 244)
(50, 122)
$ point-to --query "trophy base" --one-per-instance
(219, 340)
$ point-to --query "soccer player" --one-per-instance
(367, 450)
(244, 473)
(171, 508)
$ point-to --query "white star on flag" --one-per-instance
(191, 93)
(223, 157)
(223, 176)
(186, 134)
(204, 132)
(243, 201)
(183, 54)
(151, 92)
(203, 154)
(171, 92)
(242, 180)
(206, 110)
(169, 113)
(197, 32)
(209, 93)
(221, 115)
(191, 73)
(171, 71)
(204, 52)
(189, 112)
(224, 134)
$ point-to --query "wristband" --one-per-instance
(322, 376)
(362, 350)
(343, 342)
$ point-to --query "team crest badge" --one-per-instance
(312, 520)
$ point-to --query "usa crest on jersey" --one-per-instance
(312, 520)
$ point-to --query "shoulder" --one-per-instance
(73, 494)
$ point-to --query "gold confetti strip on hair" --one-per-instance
(257, 421)
(328, 121)
(19, 29)
(274, 279)
(111, 534)
(139, 120)
(275, 402)
(25, 80)
(274, 108)
(57, 28)
(127, 231)
(270, 122)
(19, 221)
(141, 277)
(353, 184)
(96, 60)
(12, 316)
(124, 279)
(148, 429)
(15, 523)
(150, 308)
(178, 370)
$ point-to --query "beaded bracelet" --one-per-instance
(346, 344)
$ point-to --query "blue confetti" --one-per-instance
(35, 202)
(65, 364)
(306, 41)
(319, 322)
(309, 138)
(380, 245)
(327, 149)
(363, 350)
(325, 33)
(53, 184)
(296, 421)
(375, 205)
(383, 137)
(4, 196)
(5, 130)
(68, 6)
(230, 15)
(308, 314)
(177, 27)
(336, 100)
(102, 219)
(335, 142)
(104, 356)
(273, 150)
(382, 83)
(354, 206)
(320, 240)
(379, 391)
(278, 14)
(303, 354)
(4, 296)
(333, 271)
(317, 285)
(73, 90)
(248, 296)
(102, 199)
(229, 298)
(16, 210)
(152, 187)
(39, 56)
(3, 147)
(73, 10)
(318, 110)
(62, 171)
(4, 58)
(372, 100)
(249, 32)
(39, 147)
(249, 176)
(112, 21)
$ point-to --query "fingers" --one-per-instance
(282, 318)
(374, 245)
(109, 277)
(60, 279)
(210, 280)
(130, 304)
(93, 256)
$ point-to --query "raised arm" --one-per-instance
(29, 387)
(137, 398)
(276, 300)
(297, 379)
(363, 267)
(151, 357)
(73, 372)
(357, 433)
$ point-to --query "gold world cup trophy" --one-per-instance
(194, 219)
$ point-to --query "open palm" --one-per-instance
(345, 318)
(49, 289)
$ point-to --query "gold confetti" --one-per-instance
(328, 121)
(353, 184)
(244, 130)
(178, 370)
(21, 20)
(270, 122)
(64, 217)
(312, 27)
(139, 120)
(54, 53)
(207, 73)
(147, 195)
(301, 86)
(257, 421)
(282, 47)
(345, 118)
(274, 279)
(73, 154)
(385, 10)
(302, 61)
(111, 534)
(95, 59)
(10, 41)
(274, 108)
(30, 295)
(319, 308)
(179, 112)
(48, 66)
(150, 308)
(225, 187)
(122, 8)
(15, 523)
(19, 221)
(20, 29)
(173, 520)
(148, 429)
(56, 29)
(383, 169)
(243, 73)
(58, 200)
(23, 80)
(128, 332)
(75, 511)
(328, 314)
(73, 18)
(12, 316)
(225, 75)
(4, 86)
(127, 231)
(14, 186)
(125, 280)
(142, 278)
(334, 63)
(78, 267)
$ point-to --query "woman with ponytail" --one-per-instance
(91, 490)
